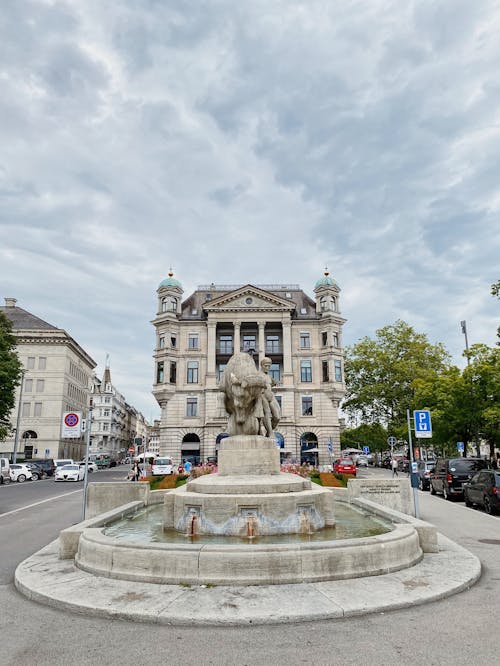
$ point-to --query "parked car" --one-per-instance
(484, 490)
(69, 473)
(19, 473)
(344, 466)
(60, 462)
(92, 467)
(450, 474)
(362, 461)
(36, 471)
(47, 464)
(4, 470)
(424, 469)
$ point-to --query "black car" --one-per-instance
(36, 471)
(484, 490)
(47, 464)
(450, 474)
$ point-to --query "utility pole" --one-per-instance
(463, 324)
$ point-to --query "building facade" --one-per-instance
(57, 378)
(196, 337)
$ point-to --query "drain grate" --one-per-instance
(493, 542)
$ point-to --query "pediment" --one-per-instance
(249, 298)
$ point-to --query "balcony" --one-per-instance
(274, 349)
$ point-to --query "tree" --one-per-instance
(495, 291)
(373, 435)
(10, 374)
(380, 374)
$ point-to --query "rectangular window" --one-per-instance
(274, 372)
(249, 343)
(38, 409)
(159, 372)
(192, 372)
(338, 371)
(105, 426)
(278, 400)
(307, 406)
(40, 385)
(107, 401)
(325, 373)
(173, 372)
(192, 407)
(305, 341)
(193, 341)
(305, 371)
(335, 339)
(31, 362)
(272, 344)
(226, 344)
(173, 341)
(28, 385)
(324, 338)
(162, 342)
(106, 412)
(26, 409)
(42, 363)
(221, 368)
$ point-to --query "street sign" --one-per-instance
(71, 426)
(460, 447)
(329, 446)
(423, 426)
(392, 441)
(366, 449)
(131, 449)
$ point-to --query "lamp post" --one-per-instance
(18, 420)
(463, 324)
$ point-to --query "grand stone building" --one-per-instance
(196, 337)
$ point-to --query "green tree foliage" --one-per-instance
(373, 435)
(495, 291)
(10, 373)
(465, 405)
(381, 374)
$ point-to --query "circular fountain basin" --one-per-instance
(261, 561)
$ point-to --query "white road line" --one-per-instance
(29, 506)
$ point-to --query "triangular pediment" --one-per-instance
(249, 298)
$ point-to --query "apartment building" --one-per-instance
(196, 336)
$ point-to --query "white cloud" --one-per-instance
(249, 142)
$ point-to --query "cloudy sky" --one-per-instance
(249, 142)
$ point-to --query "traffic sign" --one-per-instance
(392, 441)
(366, 449)
(329, 446)
(71, 426)
(423, 426)
(460, 447)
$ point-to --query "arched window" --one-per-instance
(333, 304)
(164, 304)
(323, 304)
(172, 304)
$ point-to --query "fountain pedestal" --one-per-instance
(249, 487)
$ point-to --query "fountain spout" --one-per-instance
(191, 525)
(251, 527)
(304, 523)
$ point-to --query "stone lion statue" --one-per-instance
(248, 399)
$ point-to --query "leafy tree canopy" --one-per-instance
(10, 373)
(381, 374)
(373, 435)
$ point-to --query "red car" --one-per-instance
(344, 466)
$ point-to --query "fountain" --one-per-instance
(249, 497)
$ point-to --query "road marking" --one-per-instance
(29, 506)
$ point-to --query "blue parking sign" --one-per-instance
(423, 427)
(460, 447)
(366, 449)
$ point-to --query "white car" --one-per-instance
(162, 466)
(19, 473)
(92, 466)
(69, 473)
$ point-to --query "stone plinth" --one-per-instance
(248, 454)
(393, 493)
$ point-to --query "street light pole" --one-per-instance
(463, 324)
(18, 421)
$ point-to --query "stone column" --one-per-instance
(262, 341)
(236, 339)
(287, 347)
(211, 343)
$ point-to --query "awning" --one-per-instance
(190, 446)
(315, 450)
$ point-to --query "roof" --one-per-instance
(23, 320)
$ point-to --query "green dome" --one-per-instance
(170, 281)
(325, 281)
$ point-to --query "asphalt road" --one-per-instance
(459, 630)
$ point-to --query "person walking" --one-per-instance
(394, 465)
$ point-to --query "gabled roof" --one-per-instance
(25, 321)
(248, 298)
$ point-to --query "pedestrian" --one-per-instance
(137, 471)
(394, 465)
(494, 462)
(187, 466)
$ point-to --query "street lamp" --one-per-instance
(463, 324)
